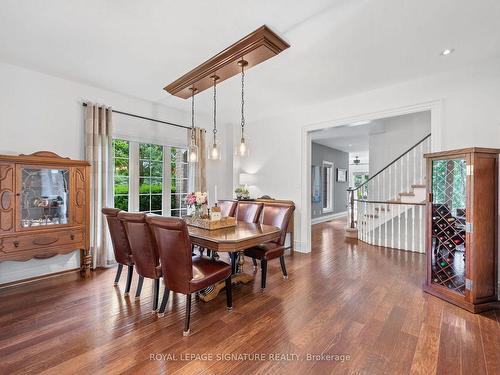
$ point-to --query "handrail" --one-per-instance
(352, 189)
(389, 202)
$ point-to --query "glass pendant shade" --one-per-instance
(242, 149)
(214, 151)
(193, 153)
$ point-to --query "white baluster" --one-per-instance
(399, 226)
(414, 229)
(406, 227)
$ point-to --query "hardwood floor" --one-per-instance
(347, 299)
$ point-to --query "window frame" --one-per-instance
(134, 174)
(328, 197)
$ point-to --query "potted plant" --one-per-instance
(242, 192)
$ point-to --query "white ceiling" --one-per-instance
(354, 138)
(338, 47)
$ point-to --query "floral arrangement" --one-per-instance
(196, 201)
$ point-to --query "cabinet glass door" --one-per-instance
(448, 223)
(44, 197)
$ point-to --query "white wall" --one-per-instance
(41, 112)
(398, 135)
(470, 117)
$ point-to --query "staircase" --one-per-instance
(391, 209)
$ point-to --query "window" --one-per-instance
(327, 186)
(179, 181)
(143, 180)
(151, 178)
(121, 173)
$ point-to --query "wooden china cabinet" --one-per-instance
(462, 227)
(44, 207)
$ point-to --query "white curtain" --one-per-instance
(98, 152)
(197, 172)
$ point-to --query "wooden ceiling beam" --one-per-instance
(254, 48)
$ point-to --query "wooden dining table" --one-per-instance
(233, 240)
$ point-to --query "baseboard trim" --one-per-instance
(298, 247)
(31, 280)
(322, 219)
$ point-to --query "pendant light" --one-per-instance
(242, 149)
(193, 152)
(214, 151)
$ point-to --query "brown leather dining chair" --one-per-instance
(227, 207)
(248, 211)
(121, 247)
(277, 214)
(145, 253)
(183, 273)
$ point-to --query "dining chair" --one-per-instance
(183, 273)
(227, 207)
(145, 253)
(121, 246)
(248, 211)
(278, 215)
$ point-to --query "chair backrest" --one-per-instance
(142, 244)
(277, 214)
(248, 211)
(172, 238)
(227, 208)
(121, 246)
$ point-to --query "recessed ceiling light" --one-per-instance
(447, 51)
(349, 145)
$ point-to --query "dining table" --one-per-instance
(232, 240)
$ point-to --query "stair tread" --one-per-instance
(407, 194)
(418, 186)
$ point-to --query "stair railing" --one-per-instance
(395, 178)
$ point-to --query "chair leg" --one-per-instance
(188, 315)
(229, 294)
(254, 261)
(139, 287)
(118, 274)
(163, 306)
(129, 280)
(156, 291)
(283, 267)
(263, 266)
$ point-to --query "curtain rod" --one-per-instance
(147, 118)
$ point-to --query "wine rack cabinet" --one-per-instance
(462, 227)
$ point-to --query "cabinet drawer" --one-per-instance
(41, 240)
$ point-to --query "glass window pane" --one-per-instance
(121, 202)
(144, 151)
(156, 186)
(156, 169)
(144, 168)
(121, 167)
(157, 212)
(157, 152)
(144, 185)
(120, 148)
(144, 202)
(121, 185)
(156, 202)
(175, 202)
